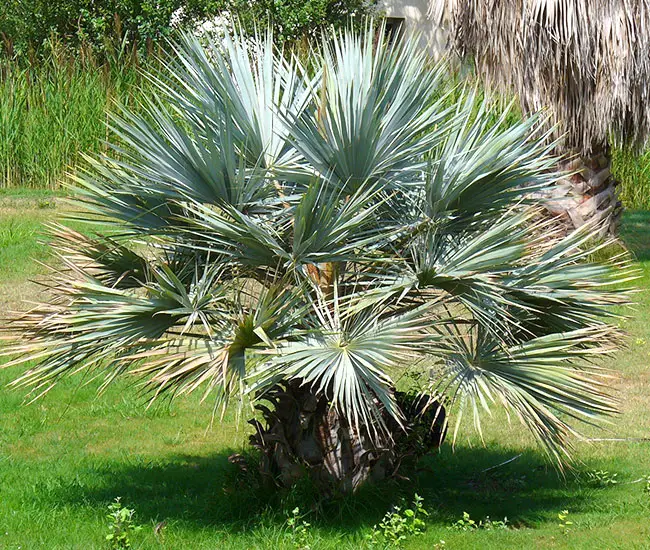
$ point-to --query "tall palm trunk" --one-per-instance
(588, 193)
(302, 435)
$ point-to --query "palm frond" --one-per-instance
(539, 381)
(217, 364)
(247, 79)
(347, 358)
(558, 290)
(105, 258)
(333, 226)
(247, 240)
(91, 325)
(484, 165)
(376, 112)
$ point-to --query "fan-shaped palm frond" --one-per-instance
(537, 380)
(347, 354)
(376, 112)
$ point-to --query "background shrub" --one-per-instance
(26, 27)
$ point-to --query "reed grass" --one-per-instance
(52, 110)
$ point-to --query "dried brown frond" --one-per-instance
(588, 61)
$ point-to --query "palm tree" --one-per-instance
(303, 236)
(587, 61)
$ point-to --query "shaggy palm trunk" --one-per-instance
(588, 193)
(302, 435)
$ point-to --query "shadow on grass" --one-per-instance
(209, 491)
(635, 232)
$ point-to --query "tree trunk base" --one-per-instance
(588, 194)
(301, 435)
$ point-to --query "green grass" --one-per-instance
(633, 172)
(65, 458)
(22, 247)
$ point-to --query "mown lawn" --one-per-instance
(65, 458)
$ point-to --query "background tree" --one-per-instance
(587, 61)
(305, 236)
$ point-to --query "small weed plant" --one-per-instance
(121, 525)
(468, 524)
(601, 478)
(298, 530)
(565, 523)
(400, 524)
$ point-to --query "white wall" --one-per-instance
(414, 12)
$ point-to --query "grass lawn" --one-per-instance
(65, 458)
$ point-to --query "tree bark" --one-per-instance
(301, 435)
(588, 193)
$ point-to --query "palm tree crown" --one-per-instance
(331, 224)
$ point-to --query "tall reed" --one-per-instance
(52, 110)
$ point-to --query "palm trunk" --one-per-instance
(302, 435)
(588, 194)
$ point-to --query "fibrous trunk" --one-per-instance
(588, 193)
(302, 435)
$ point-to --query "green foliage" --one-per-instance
(400, 524)
(66, 64)
(121, 525)
(293, 20)
(142, 25)
(27, 26)
(466, 523)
